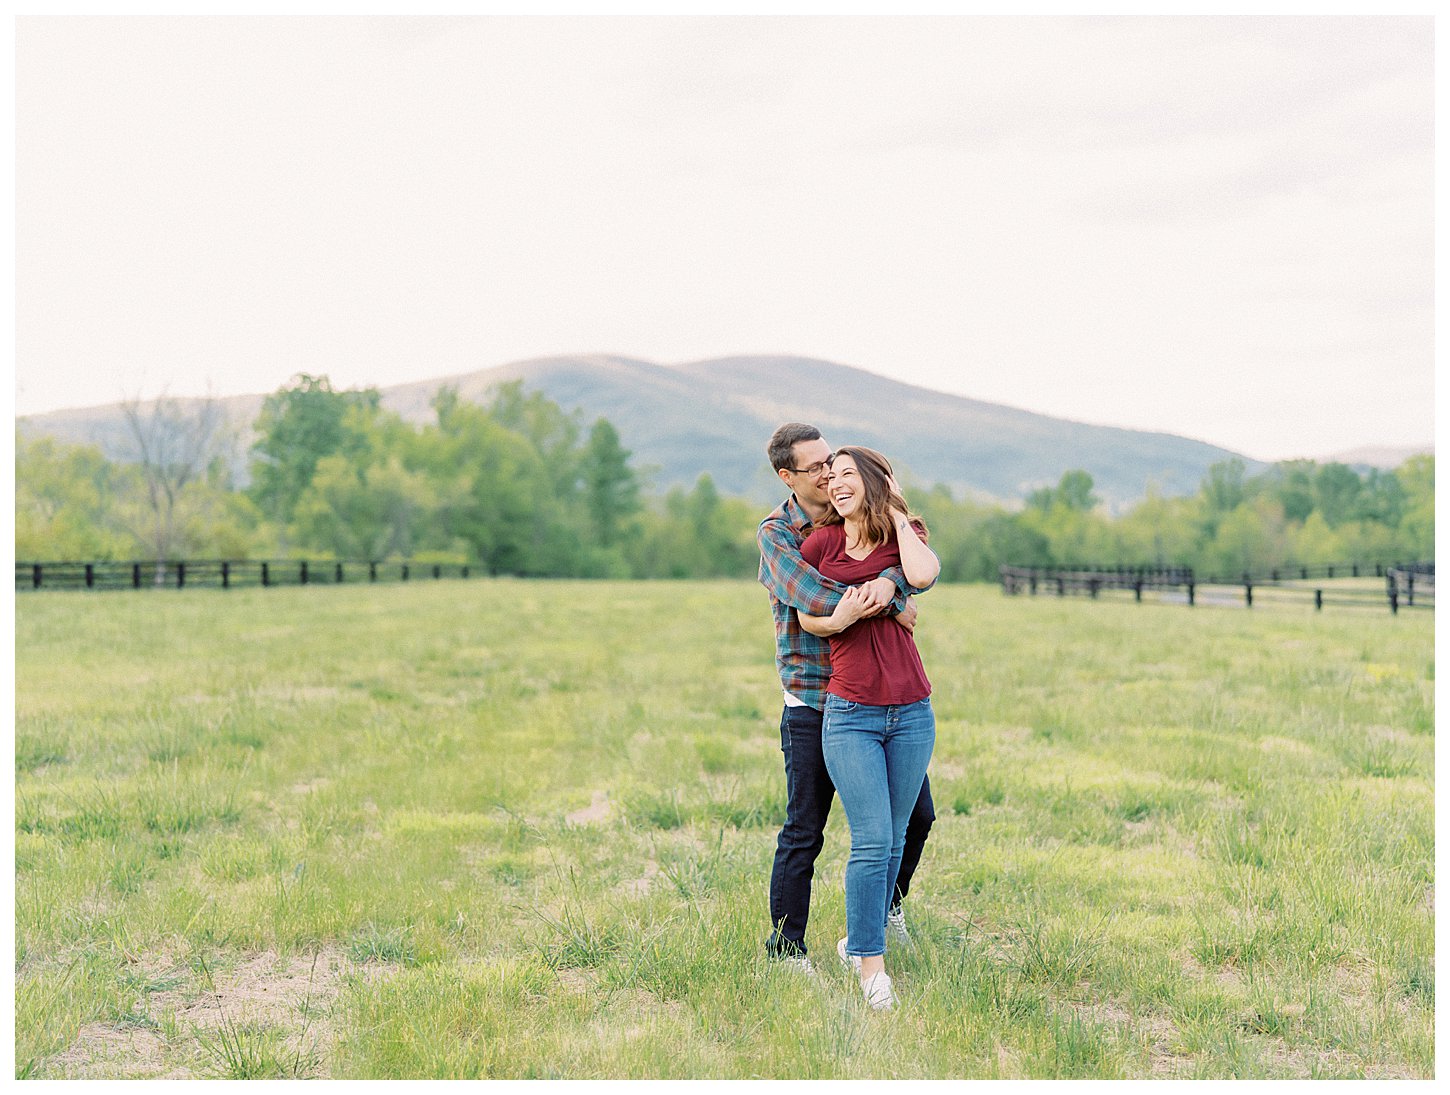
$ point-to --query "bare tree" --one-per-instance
(175, 442)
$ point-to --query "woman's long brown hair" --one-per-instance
(878, 498)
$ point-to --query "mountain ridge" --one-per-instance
(715, 414)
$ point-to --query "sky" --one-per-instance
(1215, 227)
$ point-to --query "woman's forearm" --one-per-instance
(855, 603)
(918, 562)
(821, 626)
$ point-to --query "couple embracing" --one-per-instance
(841, 558)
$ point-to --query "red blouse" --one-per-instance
(874, 660)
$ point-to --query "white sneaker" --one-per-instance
(850, 961)
(896, 924)
(799, 963)
(877, 990)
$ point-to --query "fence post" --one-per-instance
(1061, 588)
(1394, 599)
(372, 571)
(339, 574)
(226, 575)
(465, 570)
(405, 572)
(1318, 600)
(1304, 573)
(1410, 589)
(1032, 583)
(266, 576)
(302, 572)
(1093, 588)
(90, 576)
(1248, 594)
(1190, 595)
(1138, 591)
(1379, 570)
(180, 575)
(35, 576)
(1354, 570)
(1330, 571)
(1273, 575)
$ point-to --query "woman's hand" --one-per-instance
(855, 603)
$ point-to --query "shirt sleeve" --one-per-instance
(904, 588)
(791, 580)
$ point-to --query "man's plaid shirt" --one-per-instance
(803, 659)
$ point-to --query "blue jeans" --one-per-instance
(877, 757)
(809, 792)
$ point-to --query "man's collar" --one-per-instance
(796, 513)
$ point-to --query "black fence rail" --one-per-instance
(226, 573)
(1092, 579)
(1296, 572)
(1409, 585)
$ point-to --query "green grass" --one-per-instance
(524, 829)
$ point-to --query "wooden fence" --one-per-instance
(1407, 585)
(225, 573)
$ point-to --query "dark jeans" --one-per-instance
(809, 792)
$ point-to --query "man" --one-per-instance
(800, 458)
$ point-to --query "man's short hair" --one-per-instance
(785, 439)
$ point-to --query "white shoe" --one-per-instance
(877, 990)
(799, 963)
(850, 961)
(896, 924)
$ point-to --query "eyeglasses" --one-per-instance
(814, 469)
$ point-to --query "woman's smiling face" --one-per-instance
(845, 487)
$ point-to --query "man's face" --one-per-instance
(809, 473)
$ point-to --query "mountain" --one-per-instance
(1383, 457)
(715, 416)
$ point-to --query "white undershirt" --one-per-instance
(794, 701)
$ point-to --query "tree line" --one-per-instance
(518, 486)
(513, 486)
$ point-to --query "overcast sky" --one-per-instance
(1220, 228)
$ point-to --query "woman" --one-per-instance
(879, 729)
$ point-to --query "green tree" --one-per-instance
(1159, 531)
(544, 424)
(611, 492)
(300, 424)
(65, 497)
(495, 494)
(1074, 491)
(1292, 484)
(1315, 542)
(373, 511)
(1417, 525)
(1224, 489)
(1250, 539)
(1381, 499)
(1336, 493)
(696, 534)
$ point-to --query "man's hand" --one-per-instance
(907, 616)
(879, 593)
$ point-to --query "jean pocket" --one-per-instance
(836, 703)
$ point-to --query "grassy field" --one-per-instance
(523, 829)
